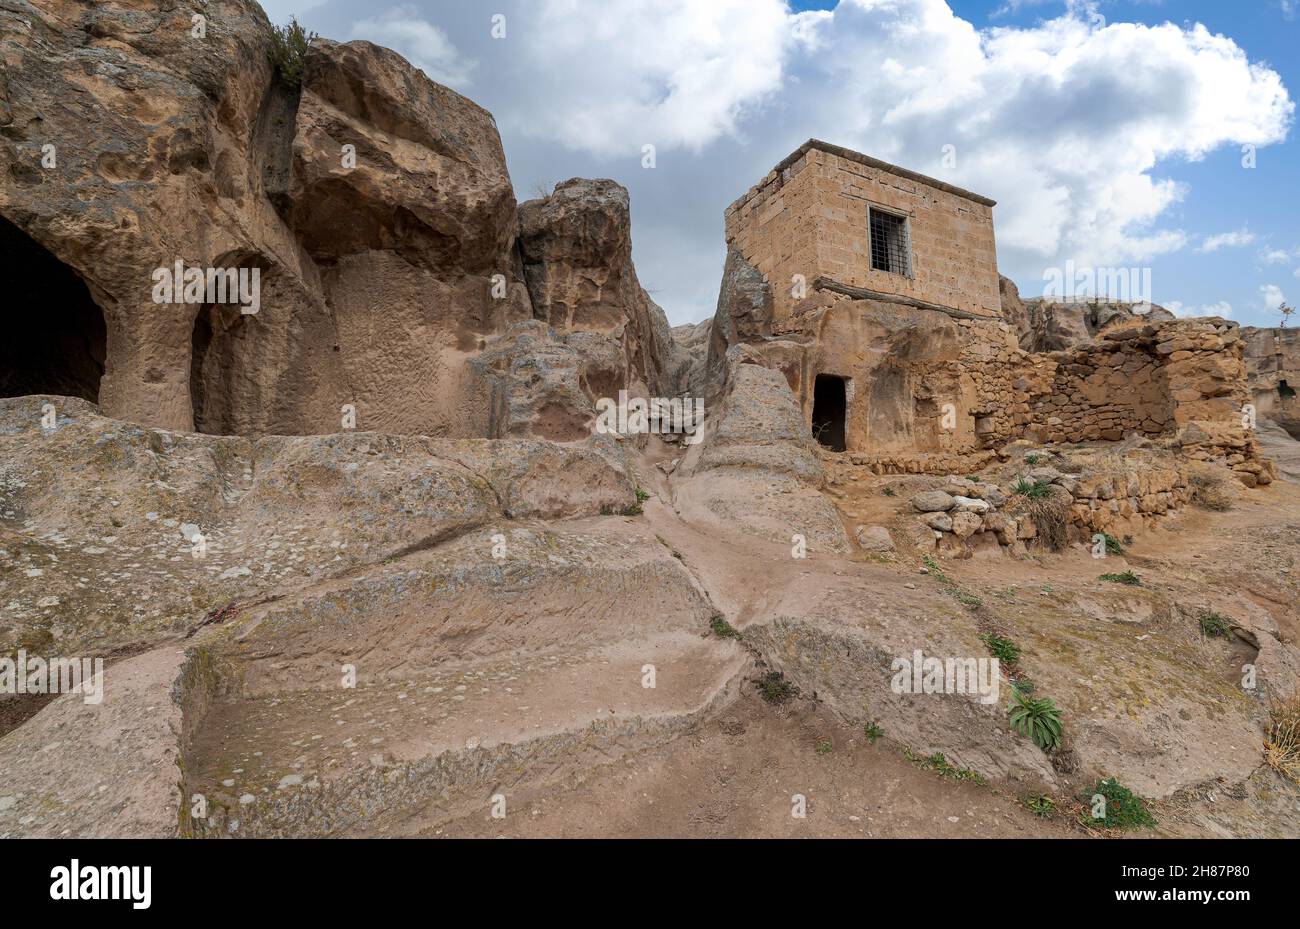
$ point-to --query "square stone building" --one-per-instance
(829, 213)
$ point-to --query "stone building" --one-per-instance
(875, 291)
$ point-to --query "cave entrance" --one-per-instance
(1285, 391)
(830, 406)
(55, 338)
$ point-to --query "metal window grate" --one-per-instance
(889, 245)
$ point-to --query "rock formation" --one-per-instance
(357, 560)
(1044, 325)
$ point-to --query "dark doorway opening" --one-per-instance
(1285, 391)
(830, 405)
(55, 337)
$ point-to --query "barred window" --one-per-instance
(890, 249)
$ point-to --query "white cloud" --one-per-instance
(424, 44)
(1235, 239)
(610, 77)
(1221, 309)
(1272, 296)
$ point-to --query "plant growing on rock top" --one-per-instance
(288, 52)
(1039, 720)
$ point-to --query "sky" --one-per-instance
(1152, 135)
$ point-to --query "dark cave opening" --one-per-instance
(830, 406)
(55, 338)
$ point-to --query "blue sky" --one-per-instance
(1108, 138)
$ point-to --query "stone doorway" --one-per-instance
(830, 407)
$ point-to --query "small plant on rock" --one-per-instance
(1039, 720)
(1034, 490)
(888, 492)
(1113, 545)
(873, 731)
(721, 628)
(1214, 626)
(774, 688)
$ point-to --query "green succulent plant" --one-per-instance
(1039, 720)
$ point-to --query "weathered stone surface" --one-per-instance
(1046, 325)
(744, 312)
(756, 470)
(576, 245)
(1272, 359)
(874, 539)
(932, 501)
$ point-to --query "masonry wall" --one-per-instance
(810, 219)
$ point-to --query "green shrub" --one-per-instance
(1034, 490)
(888, 491)
(1032, 460)
(1041, 806)
(825, 747)
(941, 765)
(1039, 720)
(1128, 577)
(774, 688)
(721, 628)
(1214, 626)
(873, 731)
(1123, 809)
(1002, 649)
(288, 52)
(1113, 546)
(642, 495)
